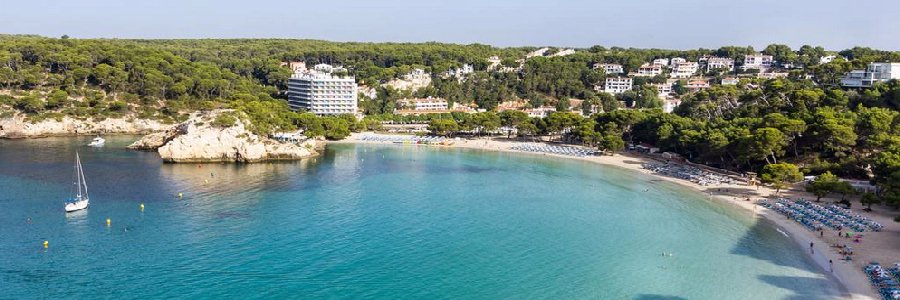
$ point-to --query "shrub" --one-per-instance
(224, 120)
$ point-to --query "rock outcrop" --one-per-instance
(196, 140)
(18, 127)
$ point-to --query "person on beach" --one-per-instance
(811, 250)
(831, 265)
(822, 233)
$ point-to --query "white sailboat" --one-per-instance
(80, 197)
(97, 142)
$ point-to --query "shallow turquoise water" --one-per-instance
(385, 222)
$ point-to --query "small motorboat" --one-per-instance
(80, 198)
(97, 142)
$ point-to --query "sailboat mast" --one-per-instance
(78, 175)
(83, 181)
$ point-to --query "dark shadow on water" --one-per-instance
(763, 242)
(792, 283)
(657, 297)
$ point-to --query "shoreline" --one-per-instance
(847, 276)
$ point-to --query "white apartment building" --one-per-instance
(772, 75)
(610, 69)
(714, 63)
(660, 62)
(664, 89)
(684, 70)
(425, 104)
(322, 93)
(616, 85)
(540, 112)
(697, 84)
(874, 73)
(649, 70)
(729, 81)
(677, 60)
(757, 61)
(466, 69)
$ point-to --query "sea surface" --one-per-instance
(376, 222)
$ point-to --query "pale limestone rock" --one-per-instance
(197, 141)
(18, 127)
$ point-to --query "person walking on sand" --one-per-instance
(811, 251)
(822, 233)
(831, 265)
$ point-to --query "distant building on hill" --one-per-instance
(729, 81)
(662, 62)
(757, 61)
(697, 84)
(684, 70)
(610, 69)
(649, 70)
(676, 60)
(719, 63)
(322, 93)
(617, 85)
(874, 73)
(540, 112)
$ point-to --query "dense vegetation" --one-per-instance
(764, 126)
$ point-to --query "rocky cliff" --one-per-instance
(197, 140)
(18, 127)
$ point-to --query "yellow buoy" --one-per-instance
(108, 222)
(180, 195)
(142, 206)
(46, 244)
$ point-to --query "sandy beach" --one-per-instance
(876, 246)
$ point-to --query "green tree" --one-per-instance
(780, 175)
(823, 185)
(443, 127)
(868, 199)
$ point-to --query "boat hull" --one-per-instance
(77, 205)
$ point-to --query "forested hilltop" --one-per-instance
(802, 120)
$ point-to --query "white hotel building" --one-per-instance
(322, 93)
(874, 73)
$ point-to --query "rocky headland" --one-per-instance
(199, 140)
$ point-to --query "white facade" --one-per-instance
(616, 85)
(697, 84)
(684, 70)
(677, 60)
(827, 59)
(660, 62)
(610, 69)
(757, 61)
(874, 73)
(426, 104)
(649, 70)
(664, 89)
(466, 69)
(714, 63)
(540, 112)
(729, 81)
(322, 93)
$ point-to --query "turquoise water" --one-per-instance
(377, 222)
